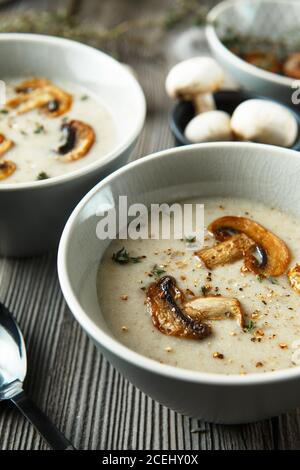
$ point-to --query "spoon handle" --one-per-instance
(41, 422)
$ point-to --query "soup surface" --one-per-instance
(37, 136)
(270, 305)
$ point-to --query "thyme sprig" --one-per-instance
(123, 257)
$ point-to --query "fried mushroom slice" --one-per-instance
(53, 99)
(26, 102)
(79, 139)
(264, 60)
(294, 278)
(291, 66)
(7, 168)
(273, 254)
(164, 300)
(215, 308)
(5, 144)
(31, 84)
(60, 103)
(226, 252)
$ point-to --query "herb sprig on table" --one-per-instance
(142, 33)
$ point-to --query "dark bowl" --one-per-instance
(226, 100)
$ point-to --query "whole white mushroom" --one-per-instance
(195, 80)
(211, 126)
(265, 122)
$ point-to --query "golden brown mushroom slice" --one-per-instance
(26, 102)
(294, 278)
(7, 168)
(226, 252)
(5, 144)
(291, 66)
(61, 101)
(79, 139)
(274, 256)
(31, 84)
(164, 300)
(264, 60)
(53, 99)
(215, 308)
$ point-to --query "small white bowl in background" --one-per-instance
(262, 18)
(33, 214)
(252, 171)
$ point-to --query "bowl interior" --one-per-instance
(26, 55)
(272, 19)
(245, 170)
(226, 100)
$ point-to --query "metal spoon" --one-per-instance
(13, 367)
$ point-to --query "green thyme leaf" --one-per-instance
(190, 239)
(122, 257)
(42, 176)
(157, 271)
(39, 129)
(249, 327)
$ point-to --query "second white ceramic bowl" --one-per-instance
(258, 172)
(269, 19)
(33, 214)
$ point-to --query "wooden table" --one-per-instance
(68, 378)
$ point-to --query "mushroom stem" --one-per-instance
(294, 278)
(5, 145)
(215, 308)
(203, 103)
(226, 252)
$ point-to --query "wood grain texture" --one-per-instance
(73, 383)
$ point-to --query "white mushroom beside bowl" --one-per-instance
(195, 80)
(265, 122)
(256, 119)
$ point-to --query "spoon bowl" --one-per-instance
(13, 362)
(13, 368)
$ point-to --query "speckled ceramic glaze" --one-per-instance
(33, 214)
(252, 171)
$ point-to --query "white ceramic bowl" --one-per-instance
(247, 170)
(262, 18)
(33, 214)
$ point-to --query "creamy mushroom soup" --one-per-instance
(48, 129)
(226, 319)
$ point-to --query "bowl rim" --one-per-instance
(216, 43)
(114, 346)
(110, 156)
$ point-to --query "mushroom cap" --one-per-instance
(194, 76)
(209, 127)
(264, 121)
